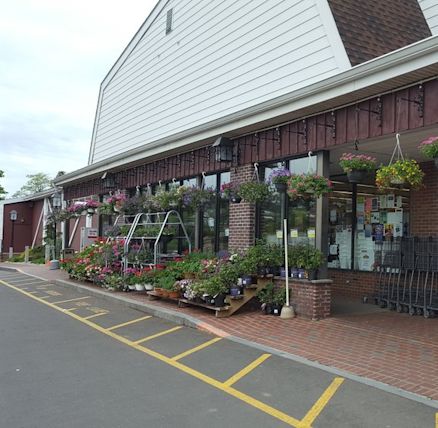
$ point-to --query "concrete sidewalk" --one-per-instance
(391, 351)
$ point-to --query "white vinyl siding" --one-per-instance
(220, 58)
(430, 11)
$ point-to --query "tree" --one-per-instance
(2, 189)
(35, 183)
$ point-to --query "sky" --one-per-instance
(53, 56)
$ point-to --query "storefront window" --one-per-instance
(361, 222)
(301, 214)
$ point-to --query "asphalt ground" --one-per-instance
(70, 359)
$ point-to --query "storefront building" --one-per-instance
(296, 95)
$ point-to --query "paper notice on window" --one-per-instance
(311, 233)
(279, 234)
(294, 233)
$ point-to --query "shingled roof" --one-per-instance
(371, 28)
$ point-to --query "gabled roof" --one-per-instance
(371, 28)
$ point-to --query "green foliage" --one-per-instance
(402, 171)
(2, 189)
(306, 185)
(35, 183)
(272, 295)
(305, 256)
(253, 191)
(429, 147)
(213, 286)
(361, 162)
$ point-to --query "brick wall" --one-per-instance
(352, 283)
(424, 204)
(310, 299)
(242, 215)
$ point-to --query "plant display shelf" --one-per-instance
(157, 223)
(233, 304)
(153, 295)
(218, 310)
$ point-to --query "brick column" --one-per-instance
(243, 215)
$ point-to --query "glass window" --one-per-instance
(301, 214)
(209, 217)
(224, 215)
(362, 222)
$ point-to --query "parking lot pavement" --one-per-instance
(250, 382)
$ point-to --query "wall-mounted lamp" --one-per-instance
(223, 148)
(56, 200)
(108, 180)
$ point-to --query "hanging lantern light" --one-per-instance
(223, 147)
(108, 180)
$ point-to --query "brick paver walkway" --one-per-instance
(392, 348)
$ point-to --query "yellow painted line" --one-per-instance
(318, 407)
(70, 300)
(272, 411)
(196, 349)
(70, 309)
(33, 292)
(45, 297)
(162, 333)
(249, 368)
(95, 315)
(129, 322)
(436, 420)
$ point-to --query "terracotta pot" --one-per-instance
(158, 290)
(165, 293)
(174, 294)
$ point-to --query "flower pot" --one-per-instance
(267, 309)
(174, 294)
(247, 280)
(283, 272)
(139, 287)
(158, 290)
(301, 274)
(235, 199)
(234, 291)
(165, 293)
(131, 287)
(436, 162)
(276, 310)
(312, 274)
(356, 175)
(280, 187)
(90, 211)
(295, 273)
(84, 212)
(148, 287)
(116, 209)
(219, 300)
(397, 181)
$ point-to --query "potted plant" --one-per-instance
(308, 185)
(116, 201)
(279, 178)
(167, 199)
(196, 197)
(308, 259)
(231, 192)
(216, 290)
(105, 209)
(113, 282)
(253, 191)
(91, 206)
(429, 148)
(357, 166)
(403, 171)
(76, 209)
(279, 299)
(266, 298)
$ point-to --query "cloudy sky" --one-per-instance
(53, 56)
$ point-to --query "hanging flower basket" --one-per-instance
(357, 166)
(253, 191)
(279, 178)
(402, 172)
(167, 199)
(117, 201)
(399, 172)
(196, 197)
(230, 191)
(429, 148)
(308, 185)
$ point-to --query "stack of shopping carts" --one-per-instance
(407, 275)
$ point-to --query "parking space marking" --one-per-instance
(95, 315)
(53, 293)
(70, 300)
(436, 420)
(318, 407)
(196, 349)
(249, 368)
(69, 309)
(251, 401)
(162, 333)
(129, 322)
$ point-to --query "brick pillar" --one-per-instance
(424, 204)
(243, 215)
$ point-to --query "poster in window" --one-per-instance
(378, 230)
(374, 204)
(375, 217)
(390, 201)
